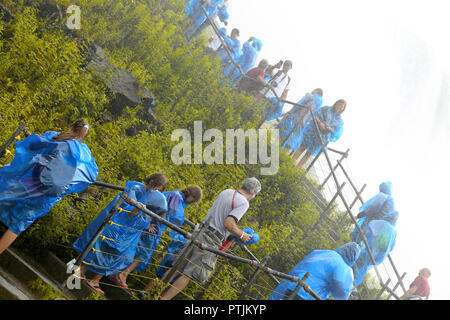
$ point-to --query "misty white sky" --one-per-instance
(390, 61)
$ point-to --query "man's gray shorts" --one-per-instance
(199, 264)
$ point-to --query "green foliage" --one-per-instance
(43, 290)
(93, 296)
(370, 288)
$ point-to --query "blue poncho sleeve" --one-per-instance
(175, 213)
(333, 120)
(338, 130)
(236, 47)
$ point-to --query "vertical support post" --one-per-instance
(298, 287)
(397, 284)
(11, 139)
(111, 213)
(351, 182)
(253, 257)
(340, 222)
(292, 130)
(199, 12)
(324, 212)
(400, 279)
(311, 164)
(382, 289)
(253, 278)
(334, 169)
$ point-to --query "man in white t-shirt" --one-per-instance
(224, 214)
(281, 84)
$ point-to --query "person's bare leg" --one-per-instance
(150, 285)
(6, 240)
(303, 161)
(95, 282)
(96, 279)
(175, 289)
(124, 274)
(176, 273)
(298, 152)
(82, 271)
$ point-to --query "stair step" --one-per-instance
(9, 289)
(18, 271)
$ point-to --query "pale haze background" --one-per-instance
(390, 61)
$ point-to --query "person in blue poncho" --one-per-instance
(381, 237)
(330, 274)
(115, 248)
(223, 15)
(297, 117)
(214, 43)
(233, 45)
(45, 169)
(331, 126)
(199, 21)
(177, 201)
(376, 208)
(280, 84)
(247, 59)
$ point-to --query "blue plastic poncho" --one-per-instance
(330, 118)
(302, 115)
(192, 8)
(381, 237)
(247, 59)
(235, 50)
(330, 274)
(112, 256)
(42, 172)
(223, 33)
(278, 110)
(255, 237)
(223, 14)
(193, 11)
(148, 243)
(174, 249)
(376, 208)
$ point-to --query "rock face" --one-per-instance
(125, 89)
(5, 13)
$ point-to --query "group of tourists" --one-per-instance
(50, 166)
(271, 84)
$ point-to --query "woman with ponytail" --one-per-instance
(45, 169)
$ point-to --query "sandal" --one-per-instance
(94, 288)
(116, 279)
